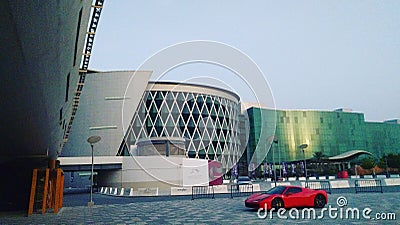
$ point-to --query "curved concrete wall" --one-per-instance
(101, 110)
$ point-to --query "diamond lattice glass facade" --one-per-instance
(205, 119)
(330, 132)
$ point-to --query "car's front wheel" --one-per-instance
(319, 201)
(277, 203)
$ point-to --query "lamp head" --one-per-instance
(303, 146)
(93, 139)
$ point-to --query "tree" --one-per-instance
(318, 156)
(393, 160)
(382, 163)
(368, 163)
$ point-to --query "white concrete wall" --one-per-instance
(153, 170)
(105, 108)
(195, 172)
(87, 160)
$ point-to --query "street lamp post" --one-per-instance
(92, 140)
(275, 140)
(279, 158)
(387, 167)
(303, 147)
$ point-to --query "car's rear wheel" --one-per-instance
(277, 203)
(319, 201)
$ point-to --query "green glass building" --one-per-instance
(383, 138)
(329, 132)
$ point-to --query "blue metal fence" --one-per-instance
(319, 185)
(368, 185)
(238, 190)
(202, 192)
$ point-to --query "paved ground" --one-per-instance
(222, 210)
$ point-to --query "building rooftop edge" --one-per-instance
(169, 82)
(114, 71)
(387, 121)
(196, 85)
(313, 110)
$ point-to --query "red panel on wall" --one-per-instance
(215, 173)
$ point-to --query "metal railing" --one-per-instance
(368, 185)
(202, 192)
(90, 34)
(319, 185)
(238, 190)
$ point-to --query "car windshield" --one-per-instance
(276, 190)
(244, 179)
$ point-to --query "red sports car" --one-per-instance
(287, 197)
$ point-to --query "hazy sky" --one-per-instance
(315, 54)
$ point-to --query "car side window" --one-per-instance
(293, 190)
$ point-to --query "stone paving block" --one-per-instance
(204, 211)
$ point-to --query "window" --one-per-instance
(293, 190)
(276, 190)
(321, 119)
(60, 117)
(78, 27)
(67, 88)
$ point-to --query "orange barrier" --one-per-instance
(46, 190)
